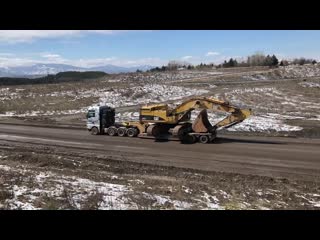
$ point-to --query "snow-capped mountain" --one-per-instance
(111, 69)
(44, 69)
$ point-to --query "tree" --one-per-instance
(314, 62)
(231, 63)
(284, 63)
(268, 61)
(275, 61)
(257, 59)
(225, 64)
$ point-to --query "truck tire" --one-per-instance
(112, 131)
(94, 131)
(122, 132)
(132, 132)
(204, 139)
(188, 139)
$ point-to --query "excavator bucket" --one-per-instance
(201, 124)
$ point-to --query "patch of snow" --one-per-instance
(263, 123)
(43, 113)
(316, 204)
(5, 168)
(310, 84)
(187, 190)
(149, 93)
(259, 193)
(264, 208)
(211, 201)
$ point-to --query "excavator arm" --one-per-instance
(201, 123)
(164, 117)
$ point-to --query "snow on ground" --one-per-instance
(310, 84)
(301, 71)
(135, 95)
(52, 186)
(206, 201)
(147, 94)
(166, 76)
(7, 94)
(285, 72)
(262, 124)
(43, 113)
(127, 116)
(113, 196)
(316, 204)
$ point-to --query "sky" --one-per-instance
(91, 48)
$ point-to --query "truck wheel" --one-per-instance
(112, 131)
(94, 131)
(122, 132)
(132, 132)
(204, 139)
(188, 139)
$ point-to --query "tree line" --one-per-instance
(257, 59)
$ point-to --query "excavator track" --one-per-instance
(157, 130)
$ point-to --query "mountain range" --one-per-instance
(37, 70)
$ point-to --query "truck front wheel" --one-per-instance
(94, 131)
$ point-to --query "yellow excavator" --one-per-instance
(159, 121)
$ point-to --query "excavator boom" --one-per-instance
(178, 118)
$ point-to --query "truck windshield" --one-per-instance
(91, 113)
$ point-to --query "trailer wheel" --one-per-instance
(188, 139)
(132, 132)
(112, 131)
(122, 132)
(204, 139)
(94, 131)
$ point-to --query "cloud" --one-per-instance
(22, 36)
(14, 62)
(49, 55)
(6, 54)
(212, 54)
(119, 62)
(7, 61)
(186, 57)
(16, 36)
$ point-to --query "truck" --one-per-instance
(161, 122)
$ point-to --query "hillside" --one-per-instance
(40, 70)
(71, 76)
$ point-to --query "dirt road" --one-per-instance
(275, 157)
